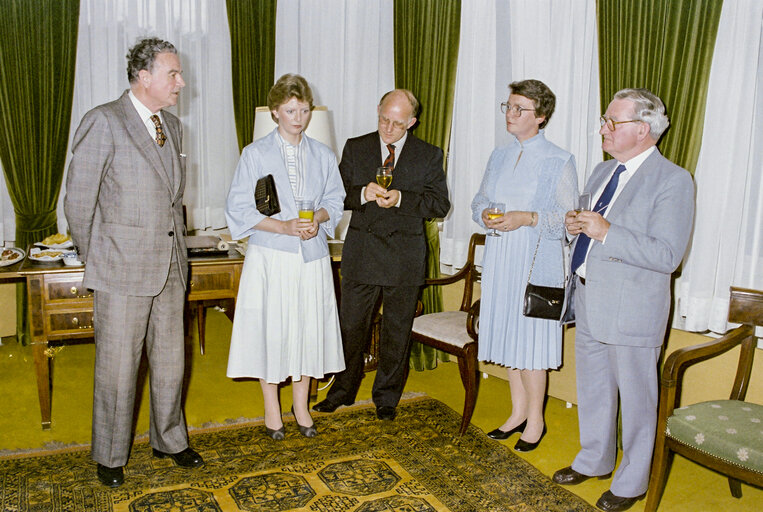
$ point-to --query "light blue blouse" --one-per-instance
(323, 184)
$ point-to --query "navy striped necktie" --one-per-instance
(581, 248)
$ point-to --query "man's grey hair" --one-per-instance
(647, 107)
(143, 55)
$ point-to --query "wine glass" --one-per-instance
(584, 202)
(494, 210)
(305, 207)
(384, 177)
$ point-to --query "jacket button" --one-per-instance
(171, 233)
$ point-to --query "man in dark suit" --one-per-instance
(626, 249)
(124, 196)
(385, 249)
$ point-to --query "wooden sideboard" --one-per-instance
(60, 309)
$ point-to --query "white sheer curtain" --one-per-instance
(727, 246)
(554, 42)
(199, 30)
(344, 48)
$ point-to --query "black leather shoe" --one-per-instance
(187, 458)
(611, 503)
(386, 412)
(329, 406)
(524, 446)
(501, 435)
(568, 476)
(110, 477)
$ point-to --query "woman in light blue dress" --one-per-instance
(537, 182)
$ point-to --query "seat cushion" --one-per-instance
(728, 429)
(448, 326)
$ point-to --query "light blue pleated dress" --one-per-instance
(532, 176)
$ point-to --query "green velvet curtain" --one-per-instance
(252, 26)
(38, 49)
(426, 51)
(667, 47)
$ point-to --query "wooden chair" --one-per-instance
(723, 435)
(455, 332)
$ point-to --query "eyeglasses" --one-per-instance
(515, 110)
(399, 125)
(612, 124)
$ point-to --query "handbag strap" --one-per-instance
(529, 275)
(532, 265)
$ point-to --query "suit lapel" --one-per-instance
(634, 184)
(140, 138)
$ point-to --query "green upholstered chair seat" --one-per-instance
(728, 429)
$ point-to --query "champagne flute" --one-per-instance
(584, 202)
(383, 177)
(494, 210)
(305, 207)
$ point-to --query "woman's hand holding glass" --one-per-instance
(307, 223)
(491, 216)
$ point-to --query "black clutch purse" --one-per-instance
(542, 301)
(266, 197)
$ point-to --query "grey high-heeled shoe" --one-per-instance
(310, 431)
(276, 435)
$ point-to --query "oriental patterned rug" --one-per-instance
(357, 463)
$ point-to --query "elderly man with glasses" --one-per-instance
(626, 249)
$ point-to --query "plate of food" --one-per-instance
(45, 255)
(11, 255)
(57, 241)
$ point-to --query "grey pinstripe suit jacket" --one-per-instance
(123, 207)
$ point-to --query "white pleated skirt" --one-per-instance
(286, 322)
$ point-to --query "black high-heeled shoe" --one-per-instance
(524, 446)
(276, 435)
(310, 431)
(501, 435)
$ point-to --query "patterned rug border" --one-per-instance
(56, 447)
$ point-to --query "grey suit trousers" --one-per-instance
(122, 325)
(604, 373)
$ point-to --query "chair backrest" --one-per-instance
(473, 275)
(745, 307)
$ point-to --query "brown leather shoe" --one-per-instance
(568, 476)
(611, 503)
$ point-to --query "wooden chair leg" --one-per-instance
(660, 462)
(467, 366)
(736, 487)
(201, 317)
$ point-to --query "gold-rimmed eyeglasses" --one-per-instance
(399, 125)
(612, 124)
(515, 110)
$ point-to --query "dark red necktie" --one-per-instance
(390, 160)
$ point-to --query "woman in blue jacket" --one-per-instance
(286, 323)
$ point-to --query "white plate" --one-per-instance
(34, 255)
(19, 256)
(66, 245)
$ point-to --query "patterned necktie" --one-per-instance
(581, 249)
(160, 137)
(390, 160)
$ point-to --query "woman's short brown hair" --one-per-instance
(542, 97)
(287, 87)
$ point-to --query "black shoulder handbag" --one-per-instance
(542, 301)
(266, 197)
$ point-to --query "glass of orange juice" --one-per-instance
(305, 207)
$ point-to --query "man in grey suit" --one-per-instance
(124, 195)
(626, 249)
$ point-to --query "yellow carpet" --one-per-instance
(212, 398)
(356, 463)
